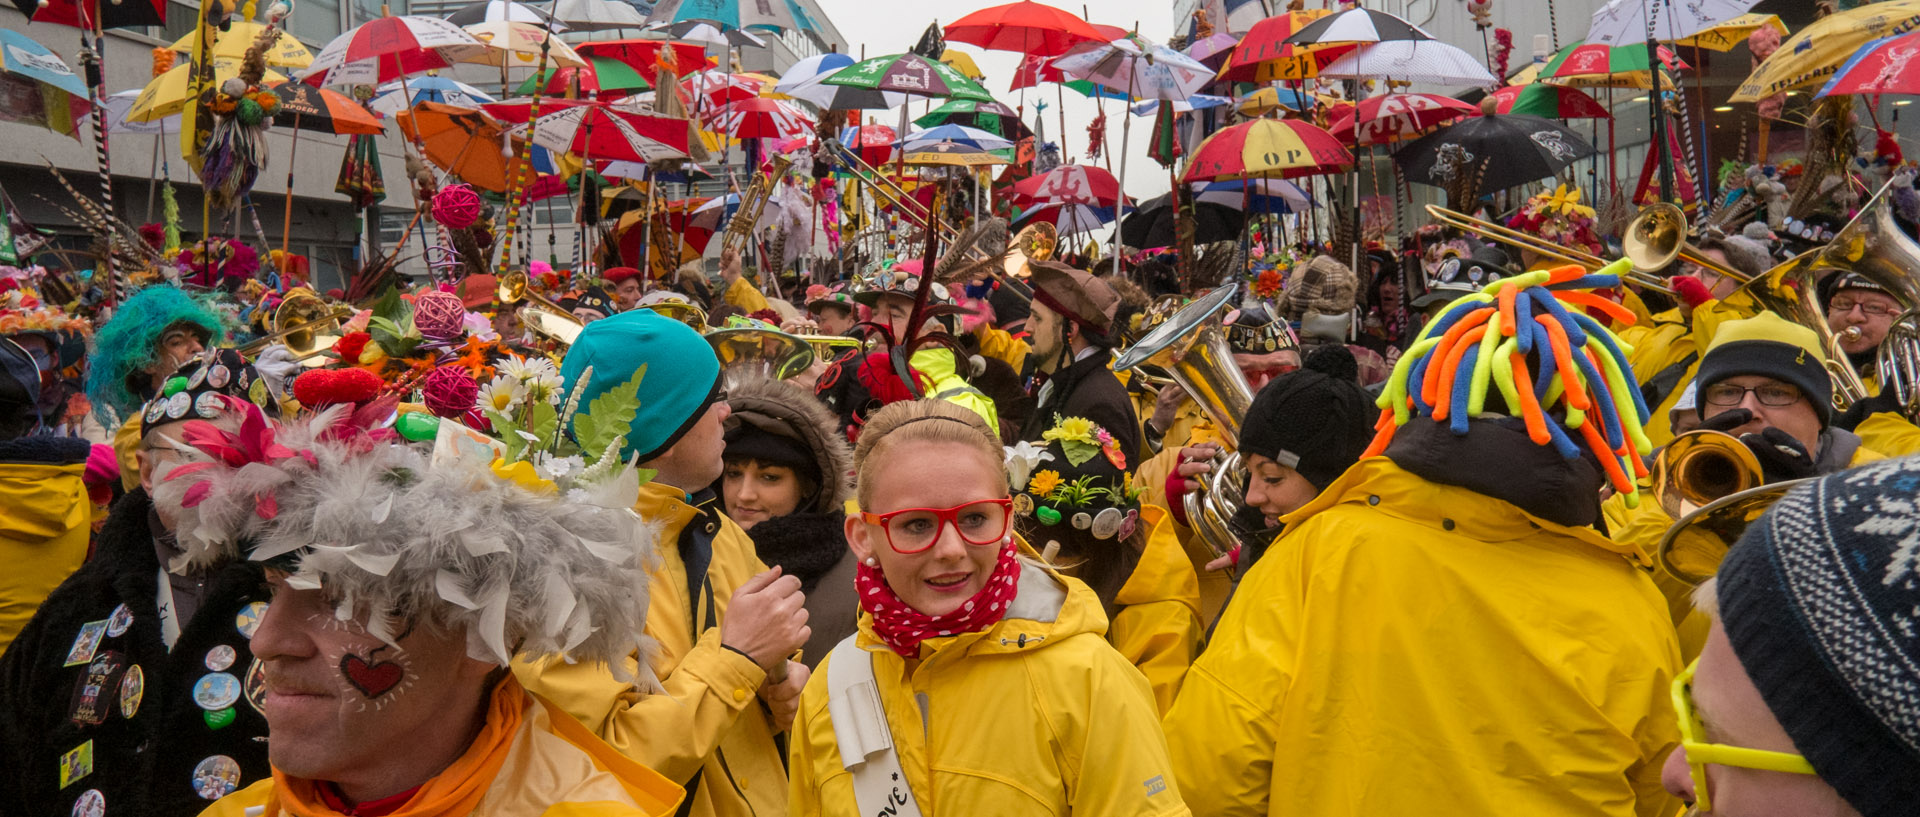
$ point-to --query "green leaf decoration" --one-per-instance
(1079, 452)
(393, 308)
(543, 423)
(608, 416)
(508, 432)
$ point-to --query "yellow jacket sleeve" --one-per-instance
(743, 295)
(126, 446)
(1220, 740)
(803, 790)
(1889, 434)
(673, 733)
(1124, 768)
(1157, 628)
(1000, 344)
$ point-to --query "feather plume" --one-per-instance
(979, 248)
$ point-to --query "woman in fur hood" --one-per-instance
(786, 480)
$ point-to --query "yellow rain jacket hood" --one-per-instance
(1409, 647)
(1034, 715)
(46, 521)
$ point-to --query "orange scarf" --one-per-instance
(453, 792)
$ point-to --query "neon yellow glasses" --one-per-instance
(1700, 753)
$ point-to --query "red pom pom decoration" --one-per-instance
(438, 315)
(450, 392)
(349, 346)
(877, 374)
(456, 206)
(326, 387)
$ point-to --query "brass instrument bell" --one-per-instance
(541, 316)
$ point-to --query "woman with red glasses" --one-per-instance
(980, 679)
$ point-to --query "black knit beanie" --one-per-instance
(747, 441)
(1313, 420)
(1819, 601)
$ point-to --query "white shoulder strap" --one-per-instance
(860, 729)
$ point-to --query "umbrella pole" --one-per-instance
(153, 167)
(286, 223)
(1060, 102)
(1120, 200)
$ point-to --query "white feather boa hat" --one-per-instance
(422, 535)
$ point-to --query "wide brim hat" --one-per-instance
(1075, 294)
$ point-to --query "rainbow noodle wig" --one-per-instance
(124, 346)
(1579, 392)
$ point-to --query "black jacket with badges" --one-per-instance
(114, 714)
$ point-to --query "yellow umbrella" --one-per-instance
(959, 61)
(1725, 36)
(233, 43)
(168, 93)
(515, 43)
(1811, 56)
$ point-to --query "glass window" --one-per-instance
(317, 22)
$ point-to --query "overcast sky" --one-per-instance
(892, 27)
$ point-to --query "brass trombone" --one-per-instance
(1653, 240)
(683, 312)
(543, 317)
(1713, 487)
(300, 323)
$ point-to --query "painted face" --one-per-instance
(1734, 714)
(939, 579)
(1872, 311)
(340, 701)
(1276, 489)
(1797, 418)
(755, 492)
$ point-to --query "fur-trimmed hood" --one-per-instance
(779, 407)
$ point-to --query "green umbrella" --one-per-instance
(991, 117)
(608, 74)
(909, 74)
(1584, 65)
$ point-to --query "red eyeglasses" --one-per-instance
(912, 530)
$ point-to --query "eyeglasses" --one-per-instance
(1700, 753)
(911, 530)
(1770, 394)
(1875, 308)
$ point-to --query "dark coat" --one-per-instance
(813, 548)
(1087, 388)
(143, 764)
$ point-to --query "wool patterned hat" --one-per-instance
(1821, 603)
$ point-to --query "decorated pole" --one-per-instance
(526, 164)
(93, 46)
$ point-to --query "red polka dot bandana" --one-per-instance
(903, 628)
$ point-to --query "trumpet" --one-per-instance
(1653, 240)
(543, 317)
(300, 323)
(1713, 486)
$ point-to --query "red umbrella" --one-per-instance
(1071, 184)
(600, 132)
(516, 111)
(1034, 70)
(1267, 148)
(1549, 102)
(124, 14)
(1882, 67)
(1025, 27)
(388, 48)
(760, 117)
(874, 143)
(646, 55)
(719, 88)
(1265, 56)
(1395, 117)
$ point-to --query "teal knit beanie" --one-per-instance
(682, 380)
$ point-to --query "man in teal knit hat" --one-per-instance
(725, 624)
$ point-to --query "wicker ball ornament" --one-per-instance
(456, 206)
(438, 314)
(449, 392)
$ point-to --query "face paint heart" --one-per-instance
(372, 679)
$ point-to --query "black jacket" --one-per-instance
(143, 764)
(1087, 388)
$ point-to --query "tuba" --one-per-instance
(752, 203)
(1712, 486)
(1192, 347)
(542, 317)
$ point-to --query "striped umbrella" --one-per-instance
(1264, 55)
(510, 43)
(1356, 25)
(1587, 65)
(717, 88)
(494, 11)
(1549, 101)
(1267, 148)
(393, 98)
(708, 33)
(388, 48)
(840, 97)
(601, 133)
(1397, 117)
(957, 134)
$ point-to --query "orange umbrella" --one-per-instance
(464, 142)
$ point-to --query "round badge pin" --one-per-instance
(178, 404)
(220, 657)
(219, 376)
(91, 803)
(1107, 523)
(216, 777)
(207, 405)
(156, 410)
(1082, 520)
(1022, 505)
(248, 619)
(218, 719)
(216, 690)
(257, 393)
(198, 377)
(118, 623)
(133, 687)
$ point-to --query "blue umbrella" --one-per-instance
(783, 15)
(43, 89)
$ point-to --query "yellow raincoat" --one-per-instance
(740, 293)
(1889, 434)
(1157, 626)
(126, 448)
(1657, 346)
(1151, 477)
(1001, 345)
(710, 721)
(46, 521)
(555, 768)
(1035, 715)
(938, 364)
(1408, 647)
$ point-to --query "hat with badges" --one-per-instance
(1253, 331)
(1075, 484)
(194, 392)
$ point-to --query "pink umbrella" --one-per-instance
(1396, 117)
(760, 117)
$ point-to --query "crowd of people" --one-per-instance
(963, 538)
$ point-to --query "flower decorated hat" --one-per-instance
(1077, 479)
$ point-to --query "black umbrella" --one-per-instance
(1153, 224)
(489, 11)
(1486, 153)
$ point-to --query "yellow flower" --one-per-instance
(1567, 202)
(1071, 428)
(521, 473)
(1043, 483)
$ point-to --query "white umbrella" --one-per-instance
(491, 11)
(597, 15)
(510, 43)
(120, 104)
(1430, 61)
(1624, 22)
(1146, 71)
(843, 97)
(702, 31)
(1197, 102)
(393, 97)
(810, 68)
(961, 134)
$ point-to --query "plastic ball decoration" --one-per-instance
(456, 206)
(439, 315)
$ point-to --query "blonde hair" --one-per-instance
(912, 423)
(1706, 597)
